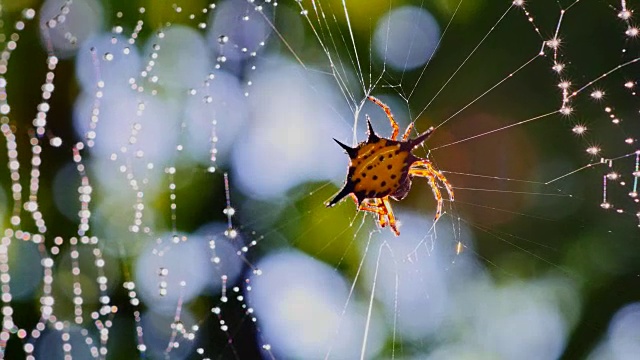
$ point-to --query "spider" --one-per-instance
(380, 168)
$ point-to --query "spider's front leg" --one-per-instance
(427, 164)
(387, 110)
(407, 132)
(394, 124)
(434, 187)
(425, 168)
(442, 178)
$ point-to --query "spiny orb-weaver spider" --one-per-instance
(380, 168)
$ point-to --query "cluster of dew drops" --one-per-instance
(102, 318)
(555, 43)
(177, 327)
(612, 176)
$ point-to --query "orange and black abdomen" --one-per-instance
(379, 169)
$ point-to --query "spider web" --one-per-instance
(499, 203)
(202, 132)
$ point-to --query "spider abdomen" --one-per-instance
(379, 168)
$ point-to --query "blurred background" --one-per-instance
(168, 164)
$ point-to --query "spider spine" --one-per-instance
(352, 152)
(413, 143)
(372, 136)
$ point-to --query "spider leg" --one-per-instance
(432, 182)
(366, 206)
(394, 124)
(375, 206)
(390, 216)
(438, 174)
(382, 207)
(407, 132)
(382, 215)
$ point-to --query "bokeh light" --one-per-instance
(310, 302)
(133, 123)
(411, 277)
(236, 30)
(24, 280)
(108, 58)
(163, 332)
(182, 62)
(519, 308)
(406, 37)
(67, 24)
(169, 271)
(215, 115)
(290, 129)
(51, 344)
(624, 332)
(623, 336)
